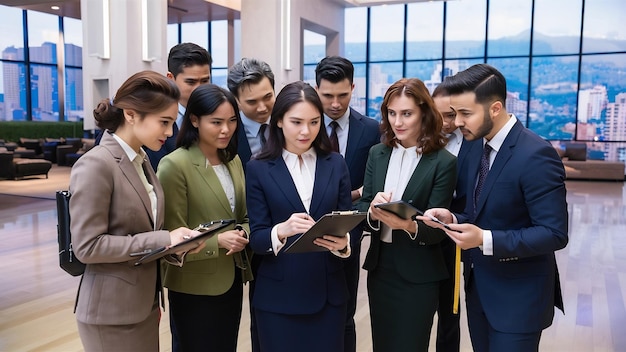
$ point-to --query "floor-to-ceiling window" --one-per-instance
(43, 83)
(212, 35)
(564, 60)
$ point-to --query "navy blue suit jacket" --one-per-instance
(243, 147)
(363, 133)
(300, 283)
(463, 162)
(523, 203)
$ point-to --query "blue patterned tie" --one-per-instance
(482, 172)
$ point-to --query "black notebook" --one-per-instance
(336, 223)
(206, 230)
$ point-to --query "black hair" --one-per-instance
(483, 80)
(186, 55)
(204, 100)
(334, 69)
(290, 95)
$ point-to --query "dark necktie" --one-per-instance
(334, 140)
(262, 134)
(482, 172)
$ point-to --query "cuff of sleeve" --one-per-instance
(276, 243)
(348, 250)
(369, 223)
(176, 260)
(487, 246)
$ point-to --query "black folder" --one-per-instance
(337, 223)
(400, 208)
(206, 230)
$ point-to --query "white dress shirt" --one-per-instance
(455, 139)
(495, 143)
(402, 164)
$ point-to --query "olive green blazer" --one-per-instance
(194, 195)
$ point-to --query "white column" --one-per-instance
(271, 30)
(120, 38)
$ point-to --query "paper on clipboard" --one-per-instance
(337, 223)
(206, 230)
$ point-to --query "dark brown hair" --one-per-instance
(430, 138)
(145, 92)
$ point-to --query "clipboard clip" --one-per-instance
(345, 212)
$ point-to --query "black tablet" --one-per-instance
(400, 208)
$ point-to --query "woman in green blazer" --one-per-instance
(203, 181)
(404, 261)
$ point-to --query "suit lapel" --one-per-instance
(502, 157)
(128, 170)
(323, 173)
(208, 175)
(280, 174)
(380, 172)
(243, 148)
(355, 134)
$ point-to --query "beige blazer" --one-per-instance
(111, 218)
(194, 195)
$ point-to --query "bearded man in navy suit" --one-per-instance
(513, 221)
(353, 136)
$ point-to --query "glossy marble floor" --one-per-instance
(36, 297)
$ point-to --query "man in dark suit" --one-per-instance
(352, 134)
(188, 65)
(252, 83)
(513, 222)
(448, 327)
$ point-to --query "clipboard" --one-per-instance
(207, 230)
(337, 223)
(400, 208)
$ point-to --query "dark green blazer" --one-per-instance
(431, 185)
(194, 195)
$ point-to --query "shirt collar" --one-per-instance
(496, 142)
(250, 125)
(132, 155)
(181, 114)
(342, 121)
(291, 159)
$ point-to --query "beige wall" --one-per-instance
(261, 37)
(261, 32)
(103, 76)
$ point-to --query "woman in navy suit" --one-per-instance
(300, 299)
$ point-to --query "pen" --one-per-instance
(138, 254)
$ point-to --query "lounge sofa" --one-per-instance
(15, 168)
(578, 167)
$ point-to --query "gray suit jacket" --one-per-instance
(111, 218)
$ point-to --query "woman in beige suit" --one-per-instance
(117, 212)
(203, 181)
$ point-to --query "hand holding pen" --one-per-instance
(296, 224)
